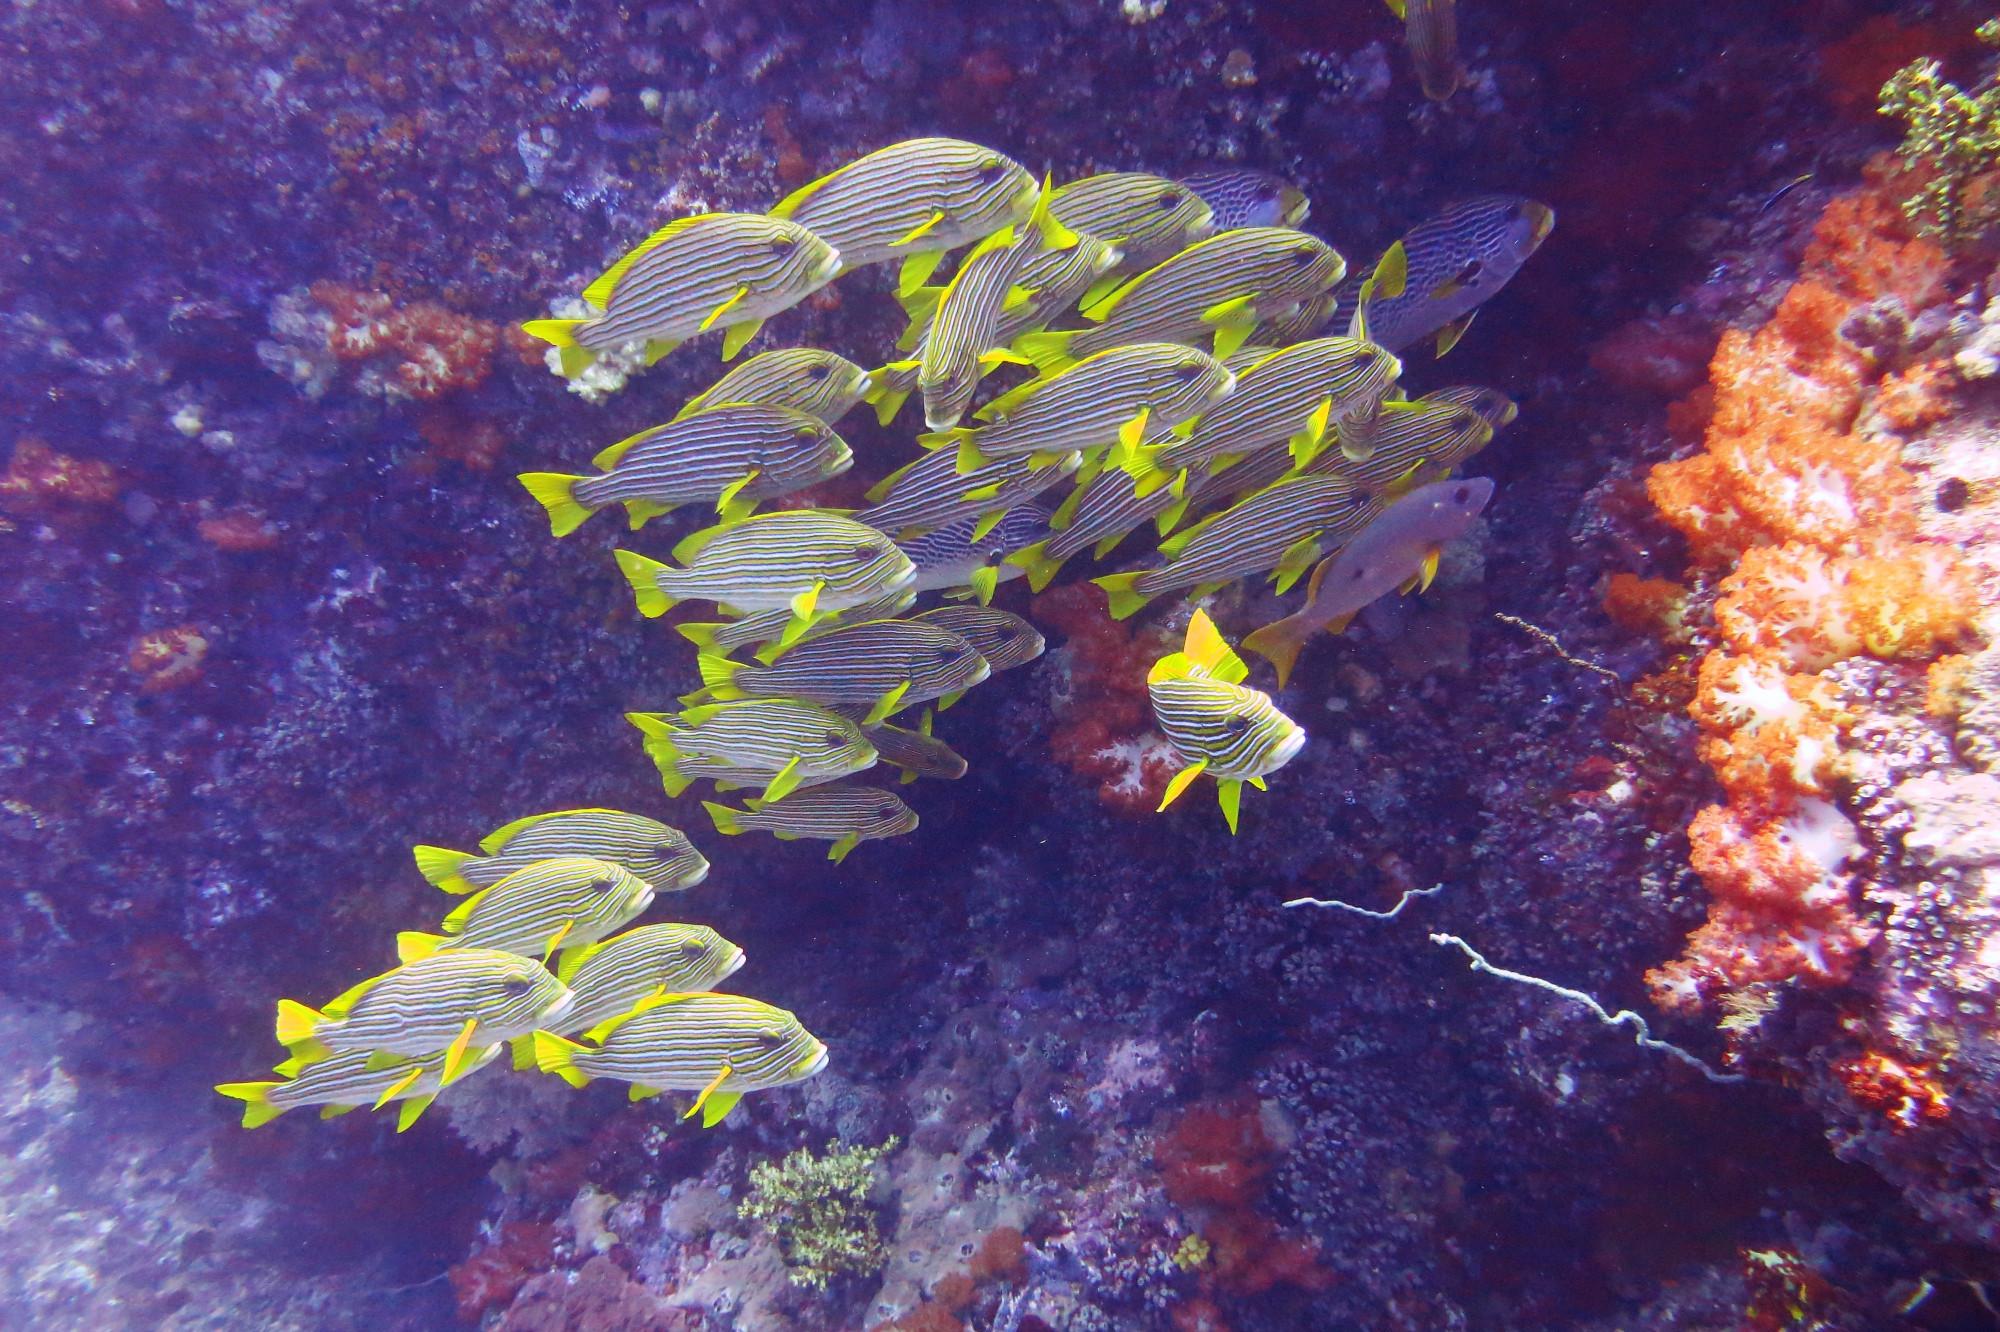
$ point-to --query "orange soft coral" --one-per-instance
(1817, 609)
(1772, 736)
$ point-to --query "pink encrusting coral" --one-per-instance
(1811, 524)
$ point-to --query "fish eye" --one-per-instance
(1304, 255)
(1463, 421)
(808, 432)
(603, 885)
(1237, 724)
(783, 246)
(517, 985)
(770, 1037)
(666, 850)
(1470, 273)
(1360, 359)
(1461, 495)
(835, 738)
(818, 371)
(688, 950)
(1169, 199)
(991, 170)
(948, 655)
(1187, 374)
(867, 552)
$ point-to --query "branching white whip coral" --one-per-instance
(1390, 914)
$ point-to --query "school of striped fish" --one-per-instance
(1173, 360)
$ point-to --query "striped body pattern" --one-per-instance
(420, 1008)
(1149, 218)
(1096, 402)
(684, 1042)
(769, 626)
(718, 269)
(1283, 527)
(1431, 29)
(1241, 197)
(1307, 319)
(1099, 514)
(657, 853)
(920, 195)
(952, 555)
(1455, 262)
(918, 753)
(771, 451)
(968, 310)
(1401, 437)
(609, 977)
(860, 665)
(1003, 638)
(753, 743)
(769, 560)
(349, 1081)
(1298, 393)
(806, 379)
(553, 903)
(838, 813)
(1239, 732)
(932, 493)
(1220, 288)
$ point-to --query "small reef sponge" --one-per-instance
(1811, 523)
(817, 1207)
(1953, 138)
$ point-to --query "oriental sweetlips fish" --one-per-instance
(718, 1045)
(838, 813)
(549, 904)
(610, 976)
(660, 855)
(349, 1081)
(883, 666)
(1218, 727)
(805, 379)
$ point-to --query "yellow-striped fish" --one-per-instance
(913, 201)
(844, 815)
(660, 855)
(1435, 278)
(1003, 638)
(1285, 527)
(1431, 29)
(610, 976)
(718, 1045)
(959, 346)
(1388, 446)
(931, 492)
(1120, 397)
(732, 456)
(1244, 197)
(805, 379)
(349, 1081)
(1308, 320)
(1233, 734)
(1220, 288)
(809, 560)
(1398, 549)
(918, 753)
(1046, 283)
(777, 744)
(884, 666)
(719, 270)
(454, 1002)
(1149, 218)
(951, 557)
(767, 627)
(556, 903)
(1294, 397)
(1099, 513)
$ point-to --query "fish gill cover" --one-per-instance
(277, 613)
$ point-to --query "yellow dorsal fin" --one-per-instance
(1055, 236)
(598, 293)
(1208, 649)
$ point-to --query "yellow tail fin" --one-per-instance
(257, 1107)
(555, 332)
(642, 574)
(1048, 351)
(725, 818)
(296, 1022)
(556, 493)
(440, 866)
(1125, 597)
(414, 946)
(554, 1055)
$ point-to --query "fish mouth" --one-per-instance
(866, 386)
(734, 965)
(829, 268)
(693, 879)
(805, 1068)
(1288, 748)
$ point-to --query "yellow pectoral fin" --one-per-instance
(1181, 782)
(739, 334)
(807, 602)
(1229, 795)
(838, 851)
(922, 230)
(1132, 434)
(886, 704)
(718, 1107)
(722, 309)
(701, 1098)
(399, 1086)
(782, 785)
(725, 501)
(985, 582)
(548, 952)
(987, 522)
(917, 269)
(1449, 335)
(454, 1057)
(655, 349)
(1428, 569)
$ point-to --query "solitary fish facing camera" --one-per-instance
(1233, 734)
(718, 270)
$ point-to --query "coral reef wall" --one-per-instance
(272, 610)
